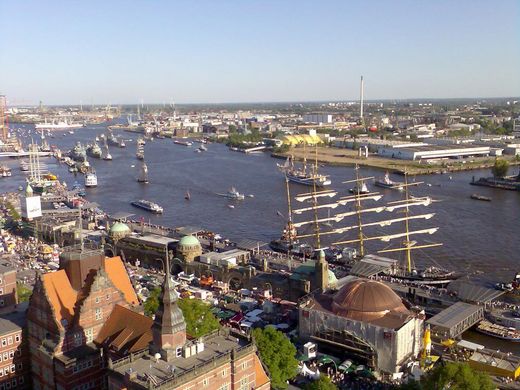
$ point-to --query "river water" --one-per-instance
(477, 237)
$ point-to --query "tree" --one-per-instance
(456, 376)
(152, 303)
(278, 354)
(322, 383)
(500, 168)
(23, 292)
(198, 316)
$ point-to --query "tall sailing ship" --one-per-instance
(320, 226)
(302, 175)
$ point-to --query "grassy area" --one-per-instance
(349, 157)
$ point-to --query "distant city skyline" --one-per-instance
(125, 52)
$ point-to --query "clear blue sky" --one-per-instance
(246, 51)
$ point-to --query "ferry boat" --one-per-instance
(301, 176)
(94, 150)
(233, 194)
(386, 182)
(91, 179)
(148, 206)
(501, 332)
(184, 143)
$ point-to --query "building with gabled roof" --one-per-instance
(68, 310)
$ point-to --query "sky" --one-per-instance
(217, 51)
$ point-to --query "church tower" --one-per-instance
(169, 328)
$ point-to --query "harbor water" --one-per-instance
(477, 237)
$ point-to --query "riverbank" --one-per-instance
(347, 157)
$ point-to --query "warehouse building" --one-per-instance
(431, 152)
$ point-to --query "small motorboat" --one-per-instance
(480, 197)
(187, 196)
(231, 206)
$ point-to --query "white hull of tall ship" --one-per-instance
(309, 181)
(91, 179)
(57, 126)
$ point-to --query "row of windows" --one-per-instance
(86, 386)
(9, 355)
(11, 369)
(9, 340)
(12, 384)
(82, 366)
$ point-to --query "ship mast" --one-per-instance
(407, 243)
(289, 211)
(315, 198)
(358, 201)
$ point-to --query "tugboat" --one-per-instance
(143, 177)
(148, 206)
(387, 183)
(233, 194)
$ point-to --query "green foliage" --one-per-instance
(412, 385)
(284, 148)
(198, 316)
(278, 354)
(152, 303)
(322, 383)
(23, 292)
(456, 376)
(500, 168)
(236, 139)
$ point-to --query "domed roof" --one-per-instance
(189, 241)
(366, 300)
(119, 228)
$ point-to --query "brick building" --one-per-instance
(219, 361)
(67, 312)
(8, 297)
(14, 358)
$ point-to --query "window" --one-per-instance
(1, 281)
(108, 297)
(17, 338)
(10, 340)
(11, 354)
(89, 334)
(224, 387)
(1, 372)
(5, 356)
(244, 365)
(97, 299)
(179, 352)
(2, 302)
(13, 368)
(224, 373)
(99, 313)
(244, 384)
(21, 380)
(14, 382)
(205, 382)
(19, 365)
(1, 290)
(77, 339)
(4, 342)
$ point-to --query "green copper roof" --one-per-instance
(189, 241)
(119, 227)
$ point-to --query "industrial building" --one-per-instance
(434, 152)
(317, 118)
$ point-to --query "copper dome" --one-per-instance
(367, 300)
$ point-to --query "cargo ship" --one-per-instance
(148, 206)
